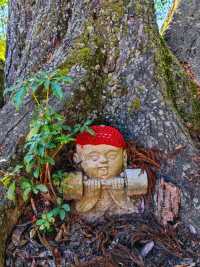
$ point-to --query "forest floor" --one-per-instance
(128, 240)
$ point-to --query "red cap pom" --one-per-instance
(106, 135)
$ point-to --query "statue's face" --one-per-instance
(101, 161)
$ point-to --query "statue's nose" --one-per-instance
(103, 159)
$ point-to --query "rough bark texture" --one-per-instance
(131, 80)
(181, 33)
(1, 83)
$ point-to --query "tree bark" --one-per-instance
(126, 76)
(181, 32)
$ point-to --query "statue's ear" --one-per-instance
(125, 159)
(76, 158)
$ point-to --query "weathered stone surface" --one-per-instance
(181, 33)
(131, 80)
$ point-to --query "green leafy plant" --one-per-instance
(47, 220)
(61, 211)
(48, 134)
(28, 187)
(57, 177)
(45, 139)
(8, 179)
(39, 86)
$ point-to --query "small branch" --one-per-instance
(48, 176)
(44, 242)
(33, 206)
(57, 151)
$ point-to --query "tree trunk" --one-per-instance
(128, 78)
(181, 32)
(1, 83)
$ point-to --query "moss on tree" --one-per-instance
(181, 90)
(92, 51)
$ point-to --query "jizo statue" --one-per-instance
(105, 185)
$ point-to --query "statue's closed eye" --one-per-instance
(93, 156)
(111, 155)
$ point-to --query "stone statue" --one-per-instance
(105, 185)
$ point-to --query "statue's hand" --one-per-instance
(92, 186)
(113, 183)
(118, 183)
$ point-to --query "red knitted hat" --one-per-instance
(103, 135)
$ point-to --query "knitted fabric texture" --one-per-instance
(102, 135)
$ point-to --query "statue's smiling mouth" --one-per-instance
(103, 170)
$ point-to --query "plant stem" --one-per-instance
(47, 97)
(48, 176)
(44, 242)
(36, 100)
(56, 152)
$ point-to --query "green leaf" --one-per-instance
(18, 168)
(28, 158)
(55, 211)
(34, 86)
(19, 97)
(46, 85)
(49, 160)
(88, 122)
(6, 180)
(50, 216)
(62, 214)
(67, 128)
(35, 190)
(26, 193)
(32, 132)
(40, 222)
(42, 227)
(11, 193)
(41, 150)
(64, 139)
(41, 188)
(25, 184)
(89, 130)
(57, 90)
(67, 79)
(29, 166)
(66, 207)
(36, 172)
